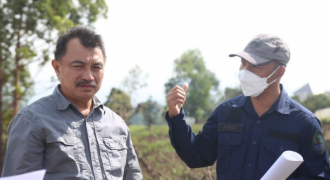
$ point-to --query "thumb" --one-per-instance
(185, 87)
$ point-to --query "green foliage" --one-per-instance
(24, 22)
(148, 113)
(315, 102)
(152, 112)
(120, 102)
(190, 68)
(296, 98)
(231, 93)
(325, 121)
(161, 130)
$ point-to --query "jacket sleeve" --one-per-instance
(314, 153)
(132, 168)
(195, 150)
(24, 147)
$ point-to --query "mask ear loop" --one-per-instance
(271, 76)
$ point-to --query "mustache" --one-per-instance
(93, 83)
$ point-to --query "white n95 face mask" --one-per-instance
(253, 85)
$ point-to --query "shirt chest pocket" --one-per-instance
(276, 142)
(272, 150)
(117, 155)
(279, 146)
(229, 150)
(275, 147)
(61, 149)
(57, 144)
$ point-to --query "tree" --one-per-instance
(27, 33)
(152, 112)
(190, 68)
(231, 93)
(315, 102)
(135, 80)
(120, 102)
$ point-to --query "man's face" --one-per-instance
(80, 71)
(262, 71)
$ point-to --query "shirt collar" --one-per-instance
(97, 102)
(238, 101)
(63, 103)
(282, 105)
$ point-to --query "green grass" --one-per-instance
(156, 149)
(160, 130)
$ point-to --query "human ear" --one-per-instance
(56, 66)
(281, 71)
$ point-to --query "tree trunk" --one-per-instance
(17, 85)
(2, 150)
(17, 67)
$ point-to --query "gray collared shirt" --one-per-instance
(52, 134)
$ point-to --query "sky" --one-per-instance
(152, 34)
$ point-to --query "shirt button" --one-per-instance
(250, 165)
(254, 142)
(258, 121)
(281, 148)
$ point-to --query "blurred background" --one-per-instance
(152, 46)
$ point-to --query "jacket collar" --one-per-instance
(282, 105)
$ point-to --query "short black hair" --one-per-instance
(88, 38)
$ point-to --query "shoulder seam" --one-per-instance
(34, 124)
(295, 104)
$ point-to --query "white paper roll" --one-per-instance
(35, 175)
(284, 166)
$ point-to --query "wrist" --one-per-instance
(171, 114)
(175, 113)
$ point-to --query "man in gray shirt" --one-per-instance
(70, 133)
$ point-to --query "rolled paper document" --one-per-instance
(35, 175)
(284, 166)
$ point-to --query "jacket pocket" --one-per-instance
(117, 154)
(274, 148)
(271, 151)
(279, 146)
(229, 138)
(229, 155)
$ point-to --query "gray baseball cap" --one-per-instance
(264, 49)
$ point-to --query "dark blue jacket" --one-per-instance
(246, 145)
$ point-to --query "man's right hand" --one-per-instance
(175, 99)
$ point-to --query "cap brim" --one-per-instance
(251, 58)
